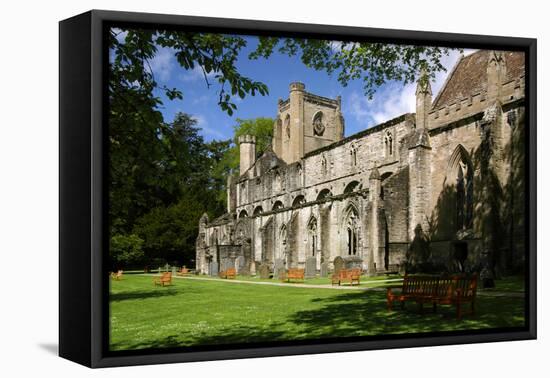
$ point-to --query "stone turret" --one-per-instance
(247, 147)
(423, 101)
(496, 73)
(420, 161)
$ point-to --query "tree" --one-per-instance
(125, 251)
(226, 161)
(169, 233)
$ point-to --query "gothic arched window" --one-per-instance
(312, 236)
(324, 164)
(464, 197)
(353, 155)
(351, 232)
(287, 125)
(388, 144)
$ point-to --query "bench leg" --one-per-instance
(435, 307)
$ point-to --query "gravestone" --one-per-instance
(160, 270)
(166, 267)
(227, 263)
(213, 268)
(279, 269)
(352, 262)
(264, 271)
(338, 264)
(311, 267)
(173, 270)
(324, 269)
(240, 264)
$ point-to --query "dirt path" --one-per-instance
(346, 287)
(300, 285)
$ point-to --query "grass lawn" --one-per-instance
(196, 312)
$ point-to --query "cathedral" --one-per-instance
(440, 189)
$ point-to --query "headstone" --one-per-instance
(338, 264)
(227, 263)
(264, 271)
(166, 267)
(240, 264)
(213, 268)
(324, 269)
(173, 271)
(352, 262)
(311, 267)
(279, 268)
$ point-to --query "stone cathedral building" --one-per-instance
(442, 188)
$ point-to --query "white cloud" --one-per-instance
(202, 123)
(395, 99)
(163, 64)
(386, 104)
(195, 74)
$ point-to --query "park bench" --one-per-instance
(116, 276)
(183, 272)
(293, 274)
(445, 290)
(392, 269)
(230, 273)
(347, 275)
(164, 280)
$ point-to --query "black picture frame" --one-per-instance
(83, 322)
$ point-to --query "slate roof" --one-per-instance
(469, 76)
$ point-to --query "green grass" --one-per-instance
(197, 312)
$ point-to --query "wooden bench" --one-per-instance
(452, 290)
(230, 273)
(350, 275)
(164, 280)
(116, 276)
(183, 272)
(293, 274)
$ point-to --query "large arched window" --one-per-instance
(464, 194)
(460, 177)
(312, 237)
(351, 228)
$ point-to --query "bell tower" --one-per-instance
(305, 122)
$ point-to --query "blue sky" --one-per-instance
(390, 100)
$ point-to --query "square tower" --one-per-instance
(306, 122)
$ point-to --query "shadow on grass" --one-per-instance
(364, 313)
(235, 335)
(130, 295)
